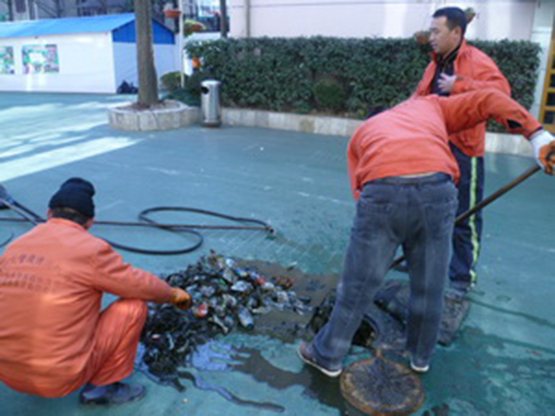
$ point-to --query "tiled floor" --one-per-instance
(503, 362)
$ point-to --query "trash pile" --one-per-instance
(225, 296)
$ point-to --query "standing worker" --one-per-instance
(51, 284)
(457, 68)
(403, 175)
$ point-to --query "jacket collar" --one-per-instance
(460, 50)
(65, 223)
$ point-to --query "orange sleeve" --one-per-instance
(464, 111)
(352, 160)
(115, 276)
(487, 76)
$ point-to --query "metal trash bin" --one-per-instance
(210, 103)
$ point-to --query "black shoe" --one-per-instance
(117, 393)
(419, 366)
(306, 356)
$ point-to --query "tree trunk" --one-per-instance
(148, 83)
(223, 18)
(10, 10)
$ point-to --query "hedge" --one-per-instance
(280, 74)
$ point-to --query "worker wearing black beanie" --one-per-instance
(58, 273)
(77, 194)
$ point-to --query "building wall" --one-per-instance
(542, 34)
(496, 19)
(85, 65)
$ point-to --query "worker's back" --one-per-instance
(408, 139)
(49, 304)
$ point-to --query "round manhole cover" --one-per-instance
(381, 387)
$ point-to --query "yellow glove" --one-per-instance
(181, 299)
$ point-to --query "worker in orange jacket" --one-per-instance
(403, 174)
(457, 68)
(52, 280)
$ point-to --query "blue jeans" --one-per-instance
(418, 214)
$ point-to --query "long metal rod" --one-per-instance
(484, 203)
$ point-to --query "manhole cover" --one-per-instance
(381, 387)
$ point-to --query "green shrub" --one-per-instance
(194, 81)
(171, 81)
(280, 73)
(185, 97)
(330, 94)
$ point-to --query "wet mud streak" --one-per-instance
(226, 394)
(318, 387)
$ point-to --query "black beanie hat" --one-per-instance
(75, 193)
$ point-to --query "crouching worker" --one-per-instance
(403, 174)
(54, 338)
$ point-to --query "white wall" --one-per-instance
(165, 59)
(86, 65)
(543, 26)
(497, 19)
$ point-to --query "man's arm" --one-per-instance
(464, 111)
(352, 160)
(115, 276)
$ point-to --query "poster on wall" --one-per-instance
(7, 64)
(40, 59)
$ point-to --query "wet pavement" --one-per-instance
(503, 362)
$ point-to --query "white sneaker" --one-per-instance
(419, 368)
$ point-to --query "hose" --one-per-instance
(27, 215)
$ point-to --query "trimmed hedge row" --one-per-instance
(343, 76)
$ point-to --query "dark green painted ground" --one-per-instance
(502, 364)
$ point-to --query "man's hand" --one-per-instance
(447, 82)
(547, 157)
(544, 151)
(181, 299)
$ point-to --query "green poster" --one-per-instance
(40, 59)
(7, 65)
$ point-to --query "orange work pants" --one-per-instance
(113, 354)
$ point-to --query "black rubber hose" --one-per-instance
(143, 216)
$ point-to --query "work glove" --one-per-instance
(181, 299)
(544, 151)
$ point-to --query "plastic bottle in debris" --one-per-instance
(245, 318)
(201, 311)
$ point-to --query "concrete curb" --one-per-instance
(337, 126)
(153, 119)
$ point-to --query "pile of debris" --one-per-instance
(224, 296)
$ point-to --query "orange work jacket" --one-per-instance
(413, 137)
(475, 71)
(51, 285)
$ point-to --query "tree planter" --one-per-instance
(167, 115)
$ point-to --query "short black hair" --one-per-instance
(70, 214)
(455, 17)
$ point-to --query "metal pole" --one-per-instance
(247, 18)
(223, 18)
(484, 203)
(180, 44)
